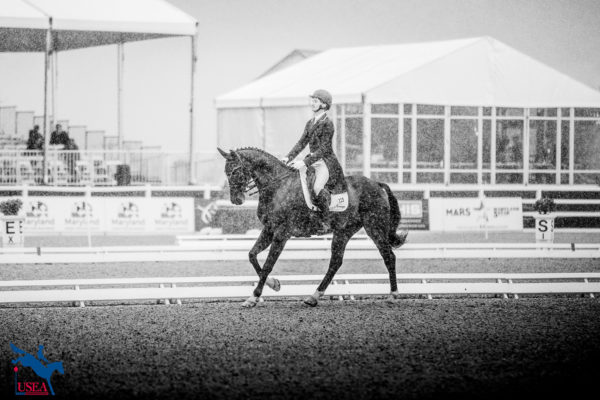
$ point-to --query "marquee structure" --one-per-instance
(468, 111)
(51, 26)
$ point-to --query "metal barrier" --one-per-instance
(98, 167)
(346, 285)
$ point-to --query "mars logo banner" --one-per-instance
(38, 363)
(502, 213)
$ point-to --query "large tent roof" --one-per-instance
(475, 71)
(86, 23)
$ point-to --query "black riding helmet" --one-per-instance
(324, 96)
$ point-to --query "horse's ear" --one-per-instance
(236, 156)
(224, 154)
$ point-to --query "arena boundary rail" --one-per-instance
(346, 286)
(236, 247)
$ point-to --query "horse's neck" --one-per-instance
(263, 166)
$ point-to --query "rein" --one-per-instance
(251, 183)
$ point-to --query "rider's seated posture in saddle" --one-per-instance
(318, 135)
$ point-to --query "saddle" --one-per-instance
(339, 197)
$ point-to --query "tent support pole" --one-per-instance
(120, 63)
(47, 61)
(192, 172)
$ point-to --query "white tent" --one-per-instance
(477, 71)
(55, 25)
(480, 76)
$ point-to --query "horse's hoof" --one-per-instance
(250, 302)
(275, 285)
(393, 297)
(311, 301)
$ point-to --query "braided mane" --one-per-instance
(265, 153)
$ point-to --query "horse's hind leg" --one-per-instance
(338, 246)
(380, 237)
(264, 240)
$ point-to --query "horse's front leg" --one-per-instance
(264, 240)
(277, 245)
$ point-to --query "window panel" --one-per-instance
(587, 179)
(587, 112)
(384, 108)
(430, 177)
(509, 144)
(514, 178)
(426, 109)
(543, 112)
(384, 142)
(354, 108)
(509, 112)
(464, 111)
(430, 143)
(463, 178)
(547, 179)
(486, 150)
(564, 145)
(542, 144)
(587, 145)
(354, 143)
(463, 144)
(407, 143)
(387, 177)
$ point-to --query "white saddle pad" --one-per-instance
(339, 202)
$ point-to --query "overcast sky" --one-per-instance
(240, 39)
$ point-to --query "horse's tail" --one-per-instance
(395, 239)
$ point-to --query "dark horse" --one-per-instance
(284, 213)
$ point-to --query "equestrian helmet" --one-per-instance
(324, 96)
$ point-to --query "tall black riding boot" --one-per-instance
(323, 200)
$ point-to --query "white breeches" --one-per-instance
(321, 175)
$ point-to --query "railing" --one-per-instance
(78, 291)
(103, 167)
(236, 247)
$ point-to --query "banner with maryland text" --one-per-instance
(57, 214)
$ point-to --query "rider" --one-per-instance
(40, 354)
(318, 135)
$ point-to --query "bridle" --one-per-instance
(246, 182)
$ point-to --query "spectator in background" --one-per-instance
(59, 136)
(36, 140)
(72, 156)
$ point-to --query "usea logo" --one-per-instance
(40, 366)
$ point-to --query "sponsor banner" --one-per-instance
(51, 214)
(171, 214)
(462, 214)
(127, 214)
(41, 214)
(414, 214)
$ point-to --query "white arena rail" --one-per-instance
(78, 291)
(231, 249)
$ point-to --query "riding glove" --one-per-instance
(298, 164)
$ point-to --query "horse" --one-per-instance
(41, 370)
(283, 212)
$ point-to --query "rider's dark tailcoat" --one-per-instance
(319, 137)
